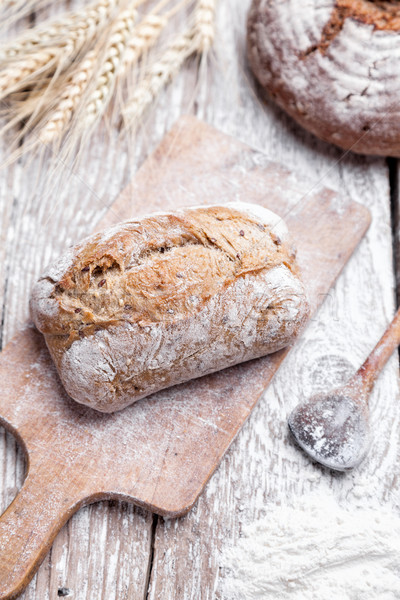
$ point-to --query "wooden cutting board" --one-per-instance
(160, 452)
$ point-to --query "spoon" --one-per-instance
(333, 428)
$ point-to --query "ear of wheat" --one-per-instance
(112, 59)
(158, 75)
(80, 25)
(205, 24)
(60, 77)
(37, 53)
(198, 38)
(142, 39)
(56, 123)
(21, 72)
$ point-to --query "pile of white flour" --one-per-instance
(313, 551)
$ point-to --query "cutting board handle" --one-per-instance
(30, 524)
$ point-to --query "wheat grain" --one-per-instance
(20, 72)
(148, 31)
(57, 121)
(71, 33)
(112, 57)
(204, 24)
(159, 74)
(144, 37)
(80, 26)
(61, 76)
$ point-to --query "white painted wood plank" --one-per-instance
(99, 541)
(104, 550)
(264, 467)
(394, 167)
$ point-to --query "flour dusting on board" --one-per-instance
(315, 550)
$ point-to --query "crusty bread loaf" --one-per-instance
(334, 66)
(166, 298)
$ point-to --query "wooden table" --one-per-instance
(113, 550)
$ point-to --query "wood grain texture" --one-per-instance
(394, 168)
(263, 466)
(103, 552)
(158, 453)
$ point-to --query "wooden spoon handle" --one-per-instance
(29, 526)
(371, 368)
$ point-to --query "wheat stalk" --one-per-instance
(205, 24)
(159, 74)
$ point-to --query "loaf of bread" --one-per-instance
(159, 300)
(333, 65)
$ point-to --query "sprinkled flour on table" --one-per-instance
(314, 551)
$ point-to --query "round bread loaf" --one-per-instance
(160, 300)
(332, 65)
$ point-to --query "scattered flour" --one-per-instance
(314, 551)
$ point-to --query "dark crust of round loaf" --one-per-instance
(334, 67)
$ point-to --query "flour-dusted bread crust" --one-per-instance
(166, 298)
(333, 65)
